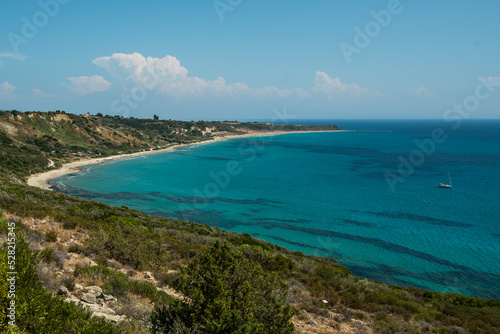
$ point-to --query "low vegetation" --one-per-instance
(226, 293)
(179, 253)
(37, 310)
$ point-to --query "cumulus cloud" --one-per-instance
(420, 91)
(7, 91)
(165, 75)
(87, 85)
(333, 87)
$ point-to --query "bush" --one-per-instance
(391, 325)
(69, 283)
(165, 278)
(47, 255)
(51, 236)
(118, 284)
(59, 258)
(76, 248)
(229, 294)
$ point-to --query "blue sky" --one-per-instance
(241, 59)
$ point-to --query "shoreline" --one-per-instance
(41, 180)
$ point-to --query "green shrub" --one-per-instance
(281, 264)
(391, 325)
(327, 272)
(118, 284)
(51, 236)
(229, 294)
(69, 283)
(76, 248)
(47, 255)
(165, 278)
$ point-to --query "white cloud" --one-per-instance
(87, 85)
(167, 76)
(38, 93)
(7, 91)
(420, 91)
(12, 55)
(333, 87)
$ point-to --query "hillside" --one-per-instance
(70, 248)
(30, 139)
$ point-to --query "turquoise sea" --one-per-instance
(328, 194)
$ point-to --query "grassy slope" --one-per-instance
(129, 236)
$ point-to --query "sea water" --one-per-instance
(367, 197)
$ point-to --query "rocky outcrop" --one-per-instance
(96, 301)
(63, 291)
(94, 290)
(88, 298)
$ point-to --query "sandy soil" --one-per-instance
(41, 180)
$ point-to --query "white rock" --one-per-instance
(89, 298)
(63, 291)
(95, 290)
(107, 297)
(72, 299)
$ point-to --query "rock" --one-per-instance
(312, 323)
(78, 287)
(109, 317)
(101, 309)
(98, 311)
(63, 291)
(72, 299)
(95, 290)
(107, 298)
(105, 312)
(146, 275)
(88, 298)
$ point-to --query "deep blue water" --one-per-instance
(328, 194)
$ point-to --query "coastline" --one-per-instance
(41, 180)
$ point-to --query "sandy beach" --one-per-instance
(41, 180)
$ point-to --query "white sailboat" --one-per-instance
(445, 185)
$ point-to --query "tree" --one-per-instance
(226, 293)
(156, 117)
(99, 115)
